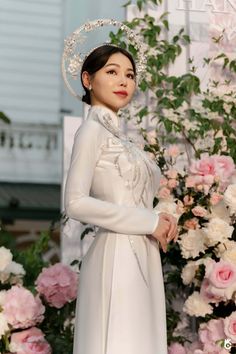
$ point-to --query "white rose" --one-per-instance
(192, 243)
(230, 255)
(5, 258)
(217, 230)
(230, 198)
(3, 325)
(195, 305)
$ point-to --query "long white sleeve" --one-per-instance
(81, 206)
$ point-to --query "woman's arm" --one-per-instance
(81, 206)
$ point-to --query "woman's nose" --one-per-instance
(123, 80)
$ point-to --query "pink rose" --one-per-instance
(208, 293)
(199, 211)
(188, 200)
(163, 181)
(172, 174)
(173, 151)
(213, 348)
(30, 341)
(221, 274)
(212, 331)
(172, 183)
(176, 348)
(191, 224)
(57, 284)
(230, 327)
(215, 198)
(164, 193)
(21, 308)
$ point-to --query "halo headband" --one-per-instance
(72, 59)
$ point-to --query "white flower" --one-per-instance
(5, 258)
(15, 268)
(195, 305)
(223, 247)
(220, 211)
(217, 230)
(192, 243)
(230, 255)
(188, 272)
(167, 206)
(3, 325)
(230, 198)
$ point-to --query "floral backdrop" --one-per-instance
(193, 139)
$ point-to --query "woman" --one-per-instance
(112, 184)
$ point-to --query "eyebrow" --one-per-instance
(129, 69)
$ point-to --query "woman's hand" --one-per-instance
(166, 230)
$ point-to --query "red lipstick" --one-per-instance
(121, 93)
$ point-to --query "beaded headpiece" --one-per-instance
(72, 59)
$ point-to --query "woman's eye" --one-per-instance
(111, 72)
(130, 76)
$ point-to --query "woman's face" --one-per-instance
(114, 84)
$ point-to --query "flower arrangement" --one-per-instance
(33, 315)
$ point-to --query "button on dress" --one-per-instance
(111, 184)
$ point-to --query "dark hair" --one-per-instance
(97, 59)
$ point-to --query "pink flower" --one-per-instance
(224, 166)
(180, 207)
(199, 211)
(212, 331)
(176, 348)
(173, 151)
(30, 341)
(213, 348)
(208, 294)
(58, 285)
(163, 181)
(188, 200)
(230, 327)
(21, 308)
(221, 274)
(164, 193)
(172, 183)
(215, 198)
(172, 173)
(191, 224)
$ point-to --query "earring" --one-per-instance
(90, 87)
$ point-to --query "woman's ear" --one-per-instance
(86, 79)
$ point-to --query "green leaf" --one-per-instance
(127, 4)
(4, 118)
(166, 24)
(139, 4)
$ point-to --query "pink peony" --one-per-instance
(221, 274)
(224, 166)
(212, 331)
(176, 348)
(172, 183)
(57, 284)
(163, 181)
(209, 169)
(30, 341)
(230, 327)
(213, 348)
(199, 211)
(21, 308)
